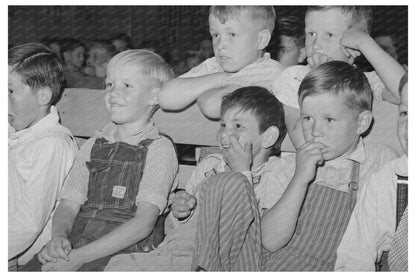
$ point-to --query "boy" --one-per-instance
(336, 33)
(41, 151)
(306, 225)
(122, 176)
(239, 36)
(291, 51)
(373, 223)
(251, 132)
(99, 54)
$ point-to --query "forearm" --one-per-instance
(180, 92)
(210, 102)
(278, 224)
(294, 126)
(388, 69)
(64, 217)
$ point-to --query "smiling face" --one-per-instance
(236, 43)
(328, 120)
(324, 30)
(128, 95)
(24, 109)
(402, 127)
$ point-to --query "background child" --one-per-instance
(239, 36)
(122, 42)
(122, 176)
(100, 53)
(373, 223)
(307, 224)
(251, 132)
(336, 33)
(291, 50)
(41, 151)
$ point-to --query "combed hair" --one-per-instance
(149, 62)
(340, 79)
(266, 14)
(265, 107)
(362, 16)
(38, 67)
(292, 26)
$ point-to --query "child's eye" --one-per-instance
(127, 85)
(108, 84)
(222, 125)
(403, 114)
(307, 118)
(310, 34)
(214, 35)
(330, 35)
(330, 120)
(10, 91)
(233, 34)
(239, 126)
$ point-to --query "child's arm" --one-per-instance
(294, 126)
(278, 224)
(389, 70)
(129, 233)
(209, 102)
(180, 92)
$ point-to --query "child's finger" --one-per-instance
(248, 147)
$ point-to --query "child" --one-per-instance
(306, 225)
(122, 176)
(336, 33)
(100, 53)
(251, 132)
(373, 223)
(291, 51)
(122, 42)
(41, 151)
(239, 36)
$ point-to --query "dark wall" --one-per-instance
(181, 27)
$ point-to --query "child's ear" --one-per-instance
(263, 39)
(153, 97)
(270, 137)
(364, 121)
(44, 96)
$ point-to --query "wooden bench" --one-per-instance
(83, 111)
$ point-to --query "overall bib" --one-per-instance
(321, 224)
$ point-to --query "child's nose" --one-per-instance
(317, 43)
(317, 130)
(221, 43)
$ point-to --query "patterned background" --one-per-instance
(163, 27)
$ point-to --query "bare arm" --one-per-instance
(293, 125)
(210, 101)
(180, 92)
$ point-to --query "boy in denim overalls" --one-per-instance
(121, 178)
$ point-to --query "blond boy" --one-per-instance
(239, 36)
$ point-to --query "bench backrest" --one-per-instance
(83, 111)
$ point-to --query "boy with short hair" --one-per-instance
(41, 150)
(379, 223)
(291, 49)
(336, 33)
(305, 227)
(251, 132)
(122, 176)
(99, 54)
(239, 36)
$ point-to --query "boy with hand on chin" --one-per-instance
(239, 36)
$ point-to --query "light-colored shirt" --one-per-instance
(286, 86)
(373, 222)
(159, 175)
(175, 252)
(41, 157)
(259, 73)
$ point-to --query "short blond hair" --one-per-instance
(266, 14)
(149, 62)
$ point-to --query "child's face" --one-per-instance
(97, 56)
(128, 92)
(386, 42)
(235, 43)
(324, 30)
(241, 124)
(24, 109)
(328, 120)
(289, 51)
(76, 57)
(403, 120)
(119, 44)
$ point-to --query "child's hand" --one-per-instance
(57, 247)
(317, 59)
(182, 204)
(352, 41)
(73, 264)
(308, 157)
(238, 157)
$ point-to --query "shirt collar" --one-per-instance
(214, 65)
(358, 155)
(150, 131)
(37, 131)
